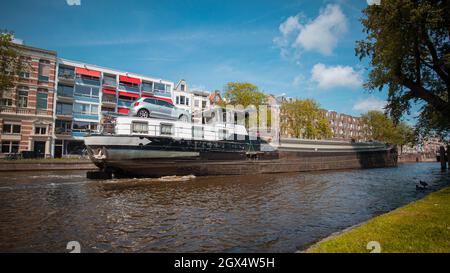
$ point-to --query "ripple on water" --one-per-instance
(259, 213)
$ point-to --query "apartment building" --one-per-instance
(193, 100)
(84, 91)
(345, 127)
(26, 111)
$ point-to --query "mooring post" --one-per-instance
(448, 155)
(442, 158)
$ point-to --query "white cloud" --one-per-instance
(298, 80)
(323, 32)
(320, 35)
(73, 2)
(369, 104)
(335, 76)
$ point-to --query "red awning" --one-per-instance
(129, 79)
(109, 91)
(87, 72)
(128, 94)
(123, 110)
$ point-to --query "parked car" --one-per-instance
(158, 108)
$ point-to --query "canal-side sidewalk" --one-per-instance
(422, 227)
(45, 165)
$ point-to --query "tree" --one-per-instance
(244, 94)
(11, 64)
(382, 128)
(304, 119)
(409, 50)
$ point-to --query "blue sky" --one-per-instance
(302, 48)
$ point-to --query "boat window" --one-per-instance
(166, 129)
(222, 134)
(197, 132)
(140, 127)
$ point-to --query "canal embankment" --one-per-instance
(419, 227)
(45, 165)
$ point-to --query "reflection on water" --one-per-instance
(258, 213)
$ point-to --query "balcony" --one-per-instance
(129, 88)
(124, 103)
(88, 81)
(66, 76)
(64, 115)
(17, 111)
(109, 101)
(109, 83)
(41, 112)
(86, 116)
(63, 131)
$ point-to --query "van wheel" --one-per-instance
(183, 118)
(143, 113)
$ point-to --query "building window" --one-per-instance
(10, 128)
(65, 90)
(160, 87)
(187, 101)
(177, 100)
(86, 91)
(203, 104)
(89, 80)
(5, 102)
(147, 86)
(63, 126)
(196, 103)
(109, 80)
(166, 129)
(24, 75)
(182, 87)
(86, 109)
(40, 130)
(182, 100)
(44, 70)
(82, 126)
(133, 87)
(41, 103)
(64, 108)
(10, 147)
(140, 127)
(22, 98)
(66, 72)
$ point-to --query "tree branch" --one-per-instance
(434, 57)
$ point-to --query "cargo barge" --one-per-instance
(143, 147)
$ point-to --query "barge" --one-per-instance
(143, 147)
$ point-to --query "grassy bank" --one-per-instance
(422, 226)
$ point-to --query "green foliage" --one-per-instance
(408, 46)
(244, 94)
(10, 62)
(304, 119)
(381, 128)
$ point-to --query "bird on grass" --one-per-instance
(423, 183)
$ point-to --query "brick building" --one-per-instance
(26, 111)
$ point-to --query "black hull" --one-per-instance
(241, 164)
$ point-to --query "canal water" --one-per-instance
(256, 213)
